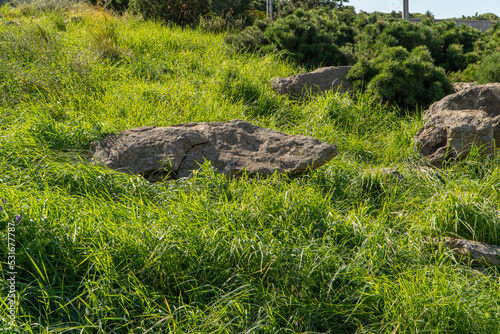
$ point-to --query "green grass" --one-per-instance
(341, 249)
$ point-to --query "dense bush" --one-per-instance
(451, 46)
(330, 37)
(310, 38)
(407, 78)
(236, 7)
(489, 41)
(176, 11)
(225, 22)
(217, 15)
(489, 70)
(284, 8)
(487, 44)
(221, 11)
(233, 15)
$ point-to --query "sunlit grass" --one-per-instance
(341, 249)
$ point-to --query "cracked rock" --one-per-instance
(453, 125)
(231, 147)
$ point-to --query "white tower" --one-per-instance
(406, 10)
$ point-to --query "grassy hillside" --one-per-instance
(341, 249)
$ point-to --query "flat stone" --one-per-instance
(232, 148)
(320, 80)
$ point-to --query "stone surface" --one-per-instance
(459, 121)
(476, 253)
(232, 147)
(320, 80)
(458, 86)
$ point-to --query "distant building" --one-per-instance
(477, 24)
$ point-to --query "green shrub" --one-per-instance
(489, 70)
(467, 75)
(457, 44)
(406, 78)
(326, 36)
(215, 15)
(252, 39)
(285, 8)
(451, 46)
(306, 39)
(236, 7)
(310, 37)
(174, 11)
(454, 58)
(221, 23)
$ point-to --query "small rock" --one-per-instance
(474, 252)
(232, 148)
(320, 80)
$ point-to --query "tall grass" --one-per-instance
(341, 249)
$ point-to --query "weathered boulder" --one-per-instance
(320, 80)
(232, 148)
(473, 252)
(460, 121)
(458, 86)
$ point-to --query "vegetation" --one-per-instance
(306, 37)
(341, 249)
(190, 12)
(488, 70)
(407, 78)
(175, 11)
(285, 8)
(325, 37)
(485, 16)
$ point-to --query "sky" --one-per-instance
(441, 9)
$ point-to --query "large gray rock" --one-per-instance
(453, 125)
(473, 252)
(232, 147)
(458, 86)
(320, 80)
